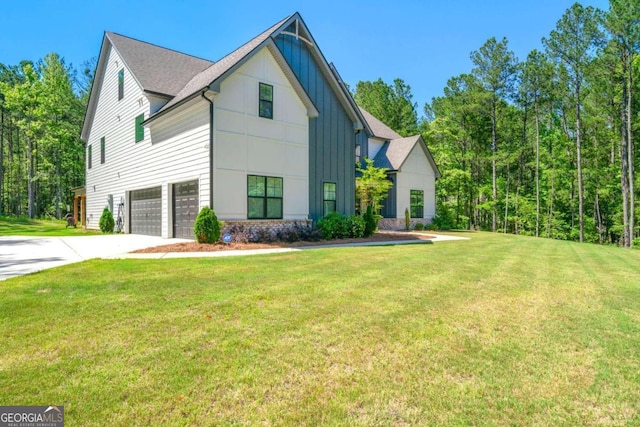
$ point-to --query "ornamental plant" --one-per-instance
(207, 227)
(106, 221)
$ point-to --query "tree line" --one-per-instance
(543, 146)
(42, 107)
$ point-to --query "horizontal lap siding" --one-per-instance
(331, 134)
(173, 149)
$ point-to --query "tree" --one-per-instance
(372, 186)
(391, 104)
(572, 44)
(495, 67)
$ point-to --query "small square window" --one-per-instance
(264, 197)
(265, 107)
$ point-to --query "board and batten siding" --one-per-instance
(177, 153)
(332, 138)
(247, 144)
(416, 174)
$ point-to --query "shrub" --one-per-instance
(355, 226)
(106, 221)
(419, 226)
(262, 235)
(444, 219)
(407, 219)
(333, 226)
(636, 243)
(370, 222)
(307, 232)
(207, 226)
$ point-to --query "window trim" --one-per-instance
(102, 150)
(120, 84)
(139, 129)
(261, 100)
(265, 199)
(325, 212)
(415, 205)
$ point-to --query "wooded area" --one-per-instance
(543, 146)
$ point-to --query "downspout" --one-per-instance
(210, 148)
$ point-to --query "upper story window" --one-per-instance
(89, 157)
(120, 84)
(417, 204)
(102, 150)
(139, 128)
(265, 103)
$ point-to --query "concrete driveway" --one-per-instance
(22, 255)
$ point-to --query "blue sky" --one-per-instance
(423, 42)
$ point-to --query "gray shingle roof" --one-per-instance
(214, 71)
(393, 154)
(156, 68)
(379, 129)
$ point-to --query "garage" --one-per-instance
(146, 211)
(185, 208)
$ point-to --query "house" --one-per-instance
(267, 135)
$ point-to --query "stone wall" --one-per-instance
(264, 230)
(398, 223)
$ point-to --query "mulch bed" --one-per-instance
(204, 247)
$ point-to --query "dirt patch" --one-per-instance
(204, 247)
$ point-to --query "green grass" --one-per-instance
(498, 330)
(20, 226)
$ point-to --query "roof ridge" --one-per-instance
(160, 47)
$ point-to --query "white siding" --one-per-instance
(375, 145)
(246, 144)
(177, 153)
(416, 174)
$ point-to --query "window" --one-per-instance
(120, 84)
(139, 128)
(89, 157)
(329, 197)
(264, 197)
(265, 107)
(358, 154)
(102, 150)
(417, 204)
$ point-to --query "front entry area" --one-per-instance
(185, 208)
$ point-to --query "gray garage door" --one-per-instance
(146, 211)
(185, 208)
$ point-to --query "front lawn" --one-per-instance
(499, 330)
(21, 226)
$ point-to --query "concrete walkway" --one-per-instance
(217, 254)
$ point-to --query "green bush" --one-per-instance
(636, 243)
(370, 222)
(333, 226)
(106, 221)
(444, 219)
(407, 219)
(207, 226)
(355, 226)
(419, 226)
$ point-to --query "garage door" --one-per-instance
(185, 208)
(146, 211)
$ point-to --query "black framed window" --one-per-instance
(329, 197)
(120, 84)
(265, 105)
(139, 128)
(264, 197)
(417, 204)
(89, 156)
(102, 148)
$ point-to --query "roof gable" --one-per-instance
(395, 152)
(379, 129)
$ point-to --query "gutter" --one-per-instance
(210, 147)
